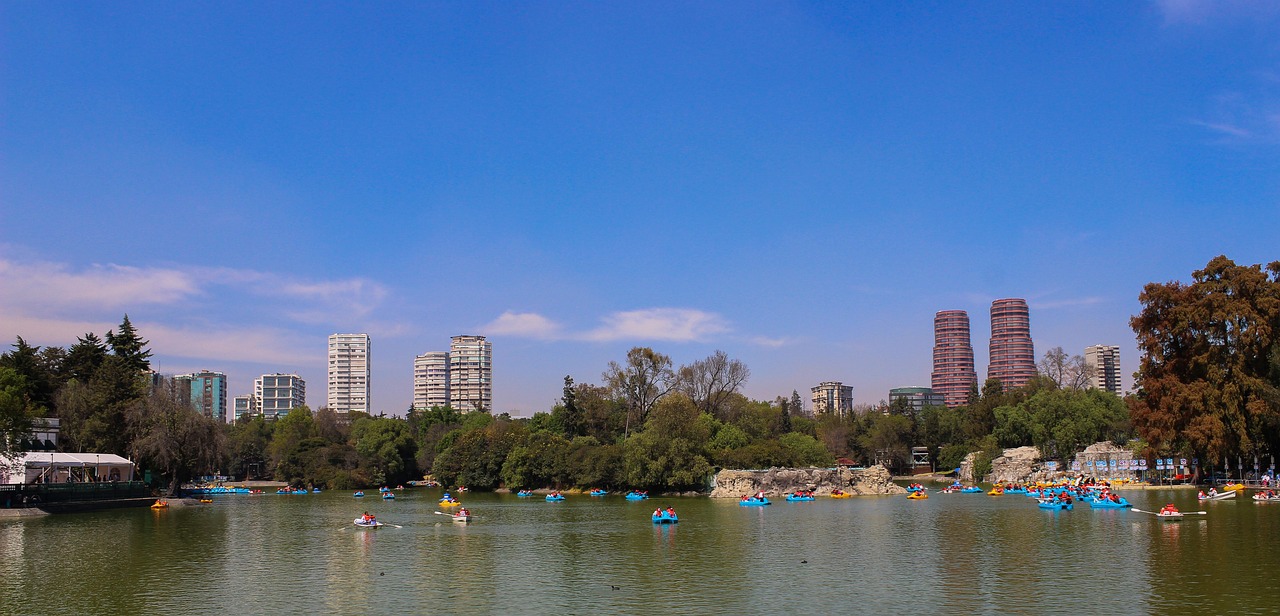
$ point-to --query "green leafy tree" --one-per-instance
(387, 447)
(173, 438)
(16, 413)
(247, 445)
(640, 382)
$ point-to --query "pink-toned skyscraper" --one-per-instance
(953, 371)
(1013, 357)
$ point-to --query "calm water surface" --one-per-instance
(952, 553)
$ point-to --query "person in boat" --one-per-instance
(1213, 492)
(463, 512)
(1169, 509)
(657, 512)
(671, 512)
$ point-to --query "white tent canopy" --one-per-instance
(50, 467)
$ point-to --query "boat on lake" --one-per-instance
(753, 501)
(637, 495)
(368, 524)
(665, 516)
(555, 497)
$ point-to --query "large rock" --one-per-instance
(779, 481)
(1017, 465)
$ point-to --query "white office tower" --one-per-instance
(348, 373)
(470, 374)
(431, 380)
(277, 394)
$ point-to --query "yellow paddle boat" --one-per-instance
(160, 504)
(455, 503)
(996, 492)
(840, 494)
(918, 495)
(1233, 487)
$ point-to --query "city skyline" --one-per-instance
(801, 185)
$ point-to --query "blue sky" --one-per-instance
(800, 185)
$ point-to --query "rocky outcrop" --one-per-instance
(779, 481)
(966, 468)
(1017, 465)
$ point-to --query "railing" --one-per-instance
(35, 494)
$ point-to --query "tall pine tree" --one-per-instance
(130, 347)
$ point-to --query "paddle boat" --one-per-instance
(555, 497)
(160, 504)
(915, 487)
(951, 490)
(524, 493)
(665, 516)
(1055, 505)
(995, 492)
(358, 495)
(971, 490)
(917, 495)
(368, 523)
(753, 501)
(384, 489)
(1015, 490)
(400, 487)
(838, 493)
(1106, 503)
(315, 490)
(448, 501)
(1266, 496)
(598, 492)
(388, 496)
(463, 489)
(798, 497)
(1215, 495)
(637, 495)
(1233, 487)
(462, 516)
(206, 500)
(1170, 513)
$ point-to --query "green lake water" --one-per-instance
(950, 554)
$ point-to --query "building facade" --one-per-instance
(1105, 362)
(917, 397)
(953, 371)
(431, 380)
(1013, 356)
(205, 391)
(470, 374)
(349, 373)
(833, 397)
(244, 408)
(277, 394)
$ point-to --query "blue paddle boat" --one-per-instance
(971, 490)
(555, 497)
(792, 498)
(524, 493)
(754, 501)
(1055, 505)
(358, 495)
(598, 492)
(633, 495)
(666, 518)
(388, 496)
(1098, 503)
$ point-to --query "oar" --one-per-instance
(451, 515)
(1182, 512)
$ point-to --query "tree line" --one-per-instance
(1208, 386)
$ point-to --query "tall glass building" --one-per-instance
(1013, 357)
(953, 371)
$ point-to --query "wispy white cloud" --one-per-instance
(1202, 12)
(669, 324)
(1065, 303)
(221, 343)
(37, 287)
(523, 325)
(51, 286)
(665, 324)
(765, 341)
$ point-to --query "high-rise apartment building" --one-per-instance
(205, 391)
(916, 397)
(1105, 361)
(833, 397)
(348, 373)
(431, 380)
(470, 373)
(277, 394)
(1013, 357)
(953, 371)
